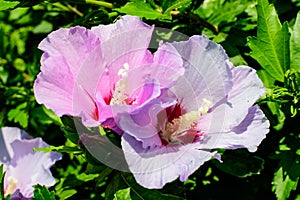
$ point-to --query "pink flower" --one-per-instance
(23, 167)
(214, 108)
(97, 74)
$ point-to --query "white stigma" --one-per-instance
(121, 88)
(205, 106)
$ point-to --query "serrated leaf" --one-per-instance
(42, 193)
(240, 163)
(123, 194)
(5, 5)
(271, 46)
(19, 115)
(141, 9)
(295, 45)
(283, 185)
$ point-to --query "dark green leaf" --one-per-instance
(240, 163)
(137, 192)
(2, 174)
(271, 46)
(42, 193)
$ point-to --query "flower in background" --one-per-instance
(97, 74)
(24, 167)
(214, 108)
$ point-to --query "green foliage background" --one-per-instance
(261, 34)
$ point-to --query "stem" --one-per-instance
(73, 9)
(100, 3)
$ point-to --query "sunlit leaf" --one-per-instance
(177, 4)
(123, 194)
(271, 46)
(283, 185)
(295, 45)
(4, 5)
(42, 193)
(141, 9)
(19, 115)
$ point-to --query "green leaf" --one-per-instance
(42, 193)
(19, 115)
(295, 45)
(240, 163)
(141, 9)
(61, 149)
(283, 185)
(66, 193)
(123, 194)
(271, 46)
(125, 180)
(4, 5)
(43, 27)
(178, 4)
(2, 174)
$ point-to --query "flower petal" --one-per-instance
(168, 65)
(7, 136)
(247, 88)
(207, 72)
(123, 43)
(30, 168)
(65, 50)
(72, 44)
(153, 168)
(248, 134)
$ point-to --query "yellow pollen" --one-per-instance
(12, 185)
(185, 124)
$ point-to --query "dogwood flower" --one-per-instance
(96, 74)
(214, 108)
(24, 167)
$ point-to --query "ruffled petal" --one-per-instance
(29, 168)
(247, 88)
(7, 136)
(73, 44)
(248, 134)
(65, 50)
(153, 168)
(207, 73)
